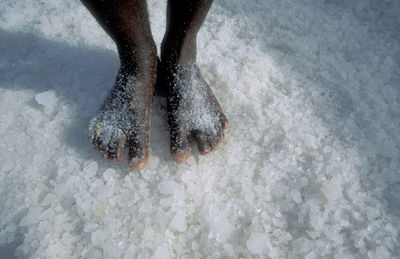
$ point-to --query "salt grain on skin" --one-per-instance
(197, 111)
(115, 122)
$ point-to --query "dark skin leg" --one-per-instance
(124, 116)
(193, 111)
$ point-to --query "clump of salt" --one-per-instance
(98, 237)
(47, 100)
(161, 253)
(179, 222)
(257, 243)
(91, 169)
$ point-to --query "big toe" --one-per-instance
(138, 155)
(224, 122)
(215, 140)
(208, 141)
(107, 140)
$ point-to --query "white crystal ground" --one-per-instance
(309, 168)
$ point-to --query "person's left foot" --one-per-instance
(193, 111)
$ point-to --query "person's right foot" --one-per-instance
(124, 117)
(193, 111)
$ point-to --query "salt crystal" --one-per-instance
(48, 100)
(32, 217)
(383, 252)
(279, 222)
(89, 227)
(93, 253)
(161, 253)
(180, 195)
(278, 190)
(232, 160)
(195, 246)
(178, 222)
(6, 165)
(99, 211)
(98, 237)
(311, 255)
(109, 174)
(91, 169)
(249, 197)
(257, 243)
(296, 196)
(167, 187)
(44, 226)
(161, 218)
(372, 213)
(332, 189)
(344, 223)
(283, 237)
(67, 239)
(167, 202)
(68, 227)
(222, 229)
(307, 246)
(48, 199)
(112, 250)
(130, 252)
(47, 214)
(229, 249)
(153, 163)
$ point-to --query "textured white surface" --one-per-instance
(309, 168)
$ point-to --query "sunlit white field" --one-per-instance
(309, 167)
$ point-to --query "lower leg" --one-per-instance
(184, 19)
(124, 117)
(127, 23)
(193, 111)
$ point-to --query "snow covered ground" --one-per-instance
(309, 168)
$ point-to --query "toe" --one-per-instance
(138, 154)
(100, 139)
(224, 122)
(203, 143)
(108, 140)
(180, 148)
(214, 141)
(139, 162)
(94, 138)
(116, 145)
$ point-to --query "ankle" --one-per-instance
(138, 59)
(178, 51)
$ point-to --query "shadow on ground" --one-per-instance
(80, 76)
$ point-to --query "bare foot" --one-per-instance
(193, 112)
(124, 118)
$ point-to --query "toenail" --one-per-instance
(98, 129)
(180, 157)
